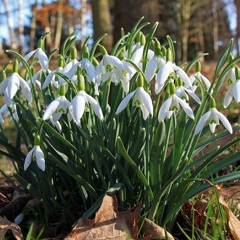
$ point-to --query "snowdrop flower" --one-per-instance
(78, 106)
(57, 124)
(140, 99)
(232, 92)
(106, 66)
(183, 92)
(213, 116)
(88, 69)
(230, 76)
(199, 77)
(14, 82)
(167, 70)
(53, 78)
(196, 77)
(153, 66)
(39, 55)
(5, 111)
(35, 154)
(57, 107)
(172, 104)
(137, 53)
(81, 99)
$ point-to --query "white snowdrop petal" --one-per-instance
(224, 121)
(124, 102)
(28, 159)
(51, 109)
(201, 122)
(13, 85)
(164, 110)
(95, 106)
(40, 158)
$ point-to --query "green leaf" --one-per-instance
(134, 167)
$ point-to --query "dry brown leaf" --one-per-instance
(108, 223)
(154, 231)
(232, 221)
(6, 225)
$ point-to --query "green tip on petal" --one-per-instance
(237, 71)
(60, 61)
(198, 66)
(73, 53)
(85, 52)
(171, 88)
(80, 79)
(37, 140)
(62, 90)
(212, 102)
(140, 80)
(3, 75)
(41, 43)
(142, 39)
(157, 47)
(15, 65)
(169, 56)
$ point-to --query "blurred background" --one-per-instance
(196, 26)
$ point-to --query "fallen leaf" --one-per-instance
(6, 225)
(232, 221)
(154, 231)
(108, 223)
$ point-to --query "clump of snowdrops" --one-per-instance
(131, 122)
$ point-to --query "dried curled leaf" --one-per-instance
(108, 223)
(6, 225)
(232, 221)
(154, 231)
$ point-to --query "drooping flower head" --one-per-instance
(172, 104)
(81, 99)
(13, 83)
(140, 99)
(213, 116)
(58, 107)
(36, 154)
(234, 91)
(39, 55)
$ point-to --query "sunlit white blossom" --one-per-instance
(172, 104)
(78, 106)
(232, 92)
(35, 153)
(40, 55)
(196, 77)
(183, 93)
(13, 83)
(213, 116)
(56, 108)
(153, 66)
(140, 99)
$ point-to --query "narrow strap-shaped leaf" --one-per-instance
(134, 167)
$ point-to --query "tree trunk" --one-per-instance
(12, 39)
(20, 27)
(33, 28)
(102, 22)
(127, 12)
(59, 25)
(237, 6)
